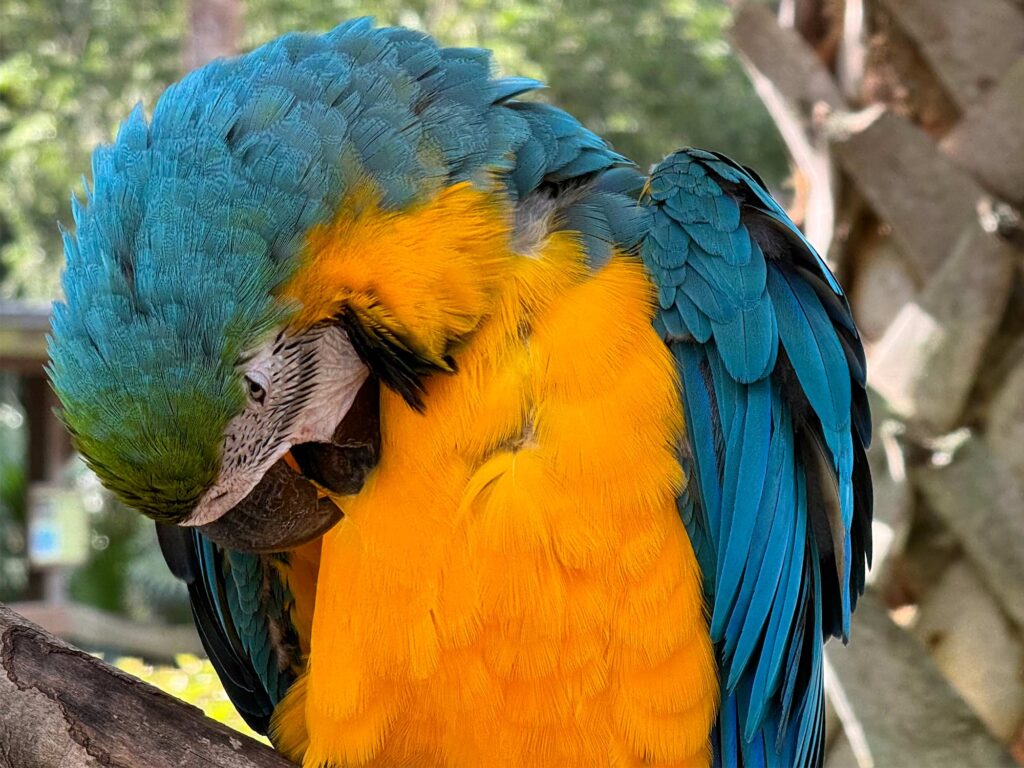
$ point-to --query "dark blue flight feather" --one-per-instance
(778, 501)
(241, 611)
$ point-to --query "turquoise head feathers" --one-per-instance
(195, 218)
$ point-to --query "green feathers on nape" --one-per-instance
(163, 293)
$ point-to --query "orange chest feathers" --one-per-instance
(513, 586)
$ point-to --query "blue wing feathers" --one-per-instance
(742, 486)
(768, 553)
(510, 87)
(621, 180)
(241, 611)
(695, 322)
(772, 378)
(193, 560)
(704, 488)
(813, 349)
(748, 342)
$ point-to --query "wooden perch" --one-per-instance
(61, 707)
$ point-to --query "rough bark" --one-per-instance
(62, 708)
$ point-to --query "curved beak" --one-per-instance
(290, 507)
(282, 512)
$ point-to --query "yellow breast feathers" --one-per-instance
(513, 585)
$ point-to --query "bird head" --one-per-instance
(248, 267)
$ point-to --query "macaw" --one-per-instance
(474, 445)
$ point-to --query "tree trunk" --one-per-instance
(903, 118)
(61, 708)
(215, 27)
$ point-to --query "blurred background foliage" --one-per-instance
(70, 70)
(13, 569)
(68, 73)
(192, 680)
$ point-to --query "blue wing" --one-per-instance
(778, 505)
(241, 609)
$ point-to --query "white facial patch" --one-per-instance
(304, 386)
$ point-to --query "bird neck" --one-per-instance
(427, 274)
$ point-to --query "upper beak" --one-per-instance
(288, 508)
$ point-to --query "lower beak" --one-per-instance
(282, 512)
(341, 466)
(288, 508)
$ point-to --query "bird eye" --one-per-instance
(257, 389)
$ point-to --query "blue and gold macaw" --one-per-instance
(475, 446)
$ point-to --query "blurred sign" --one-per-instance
(58, 526)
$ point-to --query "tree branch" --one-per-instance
(62, 707)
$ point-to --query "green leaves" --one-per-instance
(69, 71)
(650, 76)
